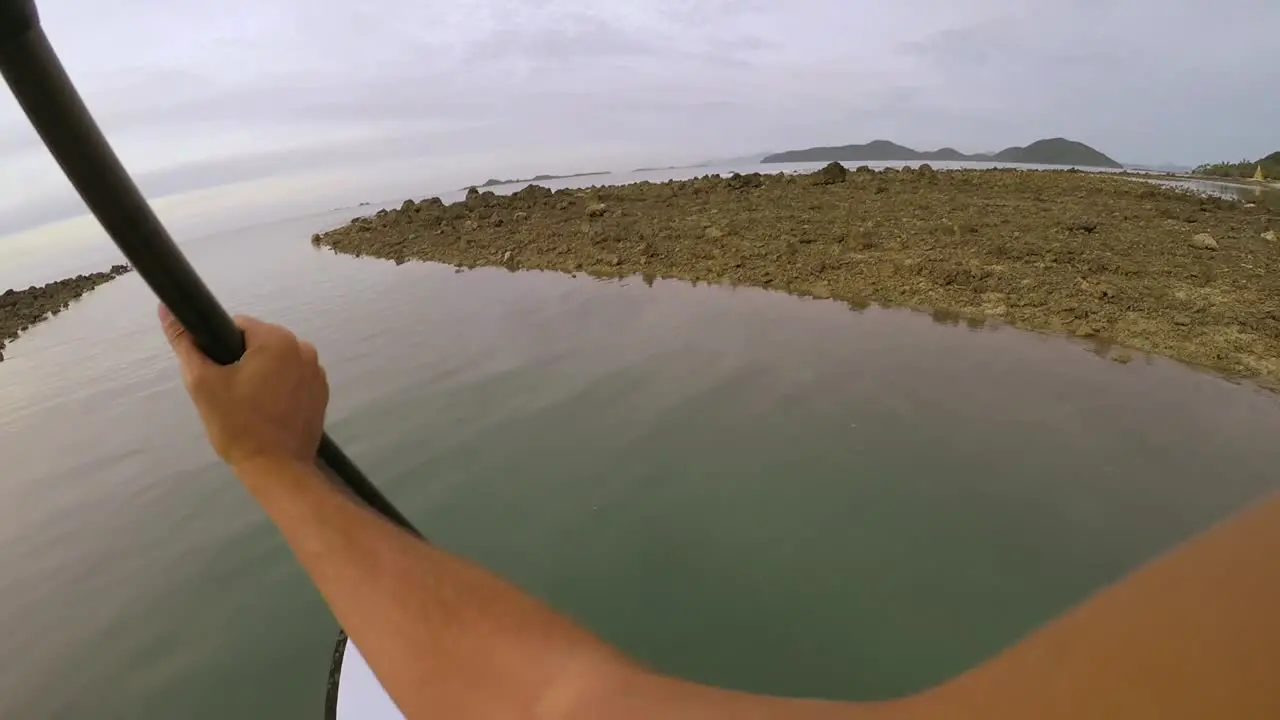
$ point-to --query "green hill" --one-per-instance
(874, 151)
(1056, 151)
(1245, 168)
(1051, 151)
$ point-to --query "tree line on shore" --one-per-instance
(1270, 166)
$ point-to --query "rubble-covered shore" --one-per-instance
(22, 309)
(1147, 267)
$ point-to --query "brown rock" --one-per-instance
(1204, 241)
(742, 182)
(831, 174)
(597, 210)
(1083, 225)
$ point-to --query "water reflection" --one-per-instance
(1265, 195)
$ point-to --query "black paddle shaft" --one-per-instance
(50, 101)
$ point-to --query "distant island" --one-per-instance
(1052, 151)
(751, 159)
(669, 167)
(1268, 168)
(536, 178)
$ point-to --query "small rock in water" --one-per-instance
(1204, 241)
(597, 210)
(1123, 358)
(1269, 235)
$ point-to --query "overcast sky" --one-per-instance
(309, 103)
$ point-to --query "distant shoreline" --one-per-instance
(1049, 151)
(1237, 181)
(671, 167)
(494, 182)
(21, 310)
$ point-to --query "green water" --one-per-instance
(735, 486)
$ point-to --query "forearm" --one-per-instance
(445, 637)
(1193, 634)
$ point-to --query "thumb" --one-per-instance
(190, 358)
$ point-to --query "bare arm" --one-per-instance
(1194, 634)
(446, 638)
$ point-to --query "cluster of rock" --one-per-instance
(1152, 268)
(22, 309)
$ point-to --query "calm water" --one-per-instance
(735, 486)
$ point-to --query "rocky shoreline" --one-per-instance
(23, 309)
(1264, 185)
(1143, 266)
